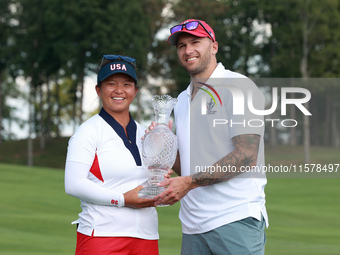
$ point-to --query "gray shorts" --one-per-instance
(244, 237)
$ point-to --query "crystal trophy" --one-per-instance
(159, 147)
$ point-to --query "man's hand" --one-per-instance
(132, 200)
(177, 188)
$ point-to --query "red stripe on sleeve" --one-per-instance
(95, 169)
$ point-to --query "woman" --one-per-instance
(104, 170)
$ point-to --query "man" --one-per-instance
(222, 206)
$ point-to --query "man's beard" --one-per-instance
(203, 65)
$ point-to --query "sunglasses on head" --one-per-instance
(191, 25)
(127, 59)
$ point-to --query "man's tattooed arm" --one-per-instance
(244, 154)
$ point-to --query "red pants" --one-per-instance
(96, 245)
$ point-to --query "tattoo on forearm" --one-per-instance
(244, 154)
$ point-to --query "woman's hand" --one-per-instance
(168, 174)
(132, 200)
(153, 124)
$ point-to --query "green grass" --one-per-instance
(303, 216)
(285, 154)
(54, 155)
(36, 214)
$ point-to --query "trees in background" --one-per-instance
(278, 39)
(55, 44)
(4, 38)
(304, 43)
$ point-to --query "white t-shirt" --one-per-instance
(204, 130)
(100, 167)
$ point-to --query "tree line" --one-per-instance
(54, 44)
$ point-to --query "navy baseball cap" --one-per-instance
(118, 64)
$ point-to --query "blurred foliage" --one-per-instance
(55, 44)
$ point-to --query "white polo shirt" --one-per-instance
(101, 165)
(201, 144)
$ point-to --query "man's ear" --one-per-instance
(215, 47)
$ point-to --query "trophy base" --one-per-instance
(150, 191)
